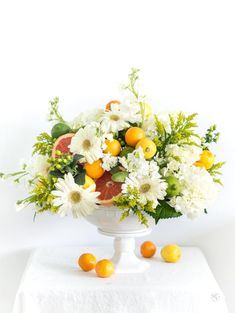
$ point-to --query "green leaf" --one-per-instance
(76, 158)
(115, 169)
(164, 211)
(80, 179)
(56, 173)
(119, 177)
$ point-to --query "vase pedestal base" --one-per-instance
(124, 258)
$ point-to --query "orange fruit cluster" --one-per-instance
(104, 268)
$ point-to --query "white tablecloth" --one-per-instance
(53, 283)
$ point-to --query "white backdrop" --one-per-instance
(81, 51)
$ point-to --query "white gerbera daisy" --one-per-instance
(72, 198)
(113, 120)
(150, 189)
(86, 143)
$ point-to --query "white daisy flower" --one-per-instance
(38, 166)
(150, 189)
(198, 191)
(72, 198)
(109, 161)
(114, 120)
(86, 143)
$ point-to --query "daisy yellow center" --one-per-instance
(75, 196)
(86, 144)
(144, 188)
(114, 118)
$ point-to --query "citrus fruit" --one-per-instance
(59, 130)
(108, 105)
(113, 147)
(171, 253)
(199, 164)
(174, 186)
(62, 144)
(148, 249)
(207, 159)
(125, 151)
(87, 262)
(107, 188)
(133, 135)
(104, 268)
(94, 170)
(88, 182)
(148, 147)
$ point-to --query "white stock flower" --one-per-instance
(109, 161)
(72, 198)
(134, 161)
(130, 111)
(85, 118)
(198, 191)
(38, 166)
(86, 143)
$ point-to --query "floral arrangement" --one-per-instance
(124, 155)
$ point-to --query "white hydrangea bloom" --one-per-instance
(109, 161)
(198, 191)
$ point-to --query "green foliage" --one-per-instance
(41, 195)
(131, 203)
(164, 211)
(54, 114)
(44, 144)
(65, 163)
(182, 132)
(211, 136)
(215, 172)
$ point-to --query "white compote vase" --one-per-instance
(107, 220)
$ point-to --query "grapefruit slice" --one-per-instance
(62, 144)
(107, 188)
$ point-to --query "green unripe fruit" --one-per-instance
(59, 130)
(174, 187)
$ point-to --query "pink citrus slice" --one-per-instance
(107, 188)
(62, 144)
